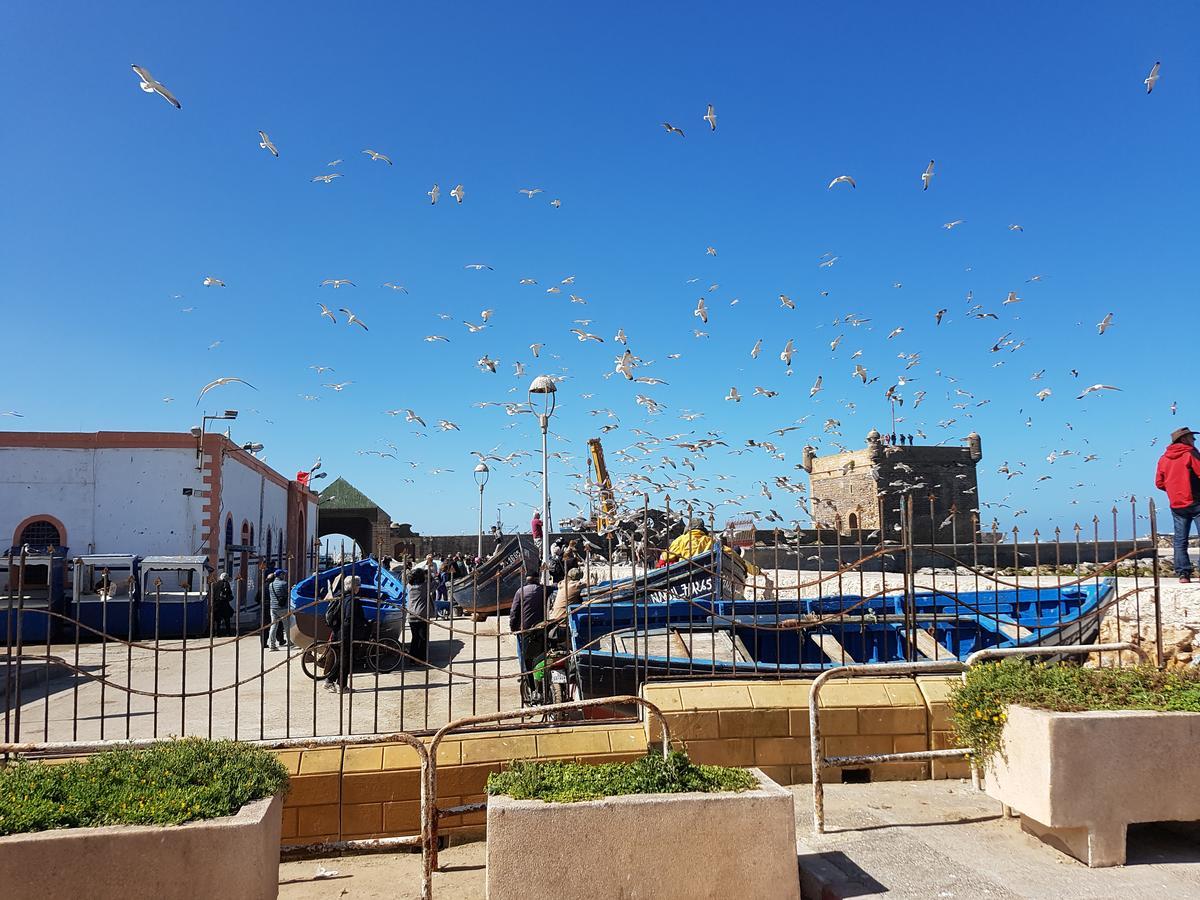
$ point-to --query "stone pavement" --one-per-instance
(943, 839)
(894, 840)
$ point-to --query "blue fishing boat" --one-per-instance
(382, 597)
(173, 597)
(488, 589)
(716, 572)
(105, 589)
(620, 645)
(32, 594)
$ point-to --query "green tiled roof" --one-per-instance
(341, 494)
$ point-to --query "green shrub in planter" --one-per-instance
(568, 782)
(978, 706)
(167, 784)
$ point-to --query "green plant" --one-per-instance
(568, 782)
(978, 706)
(167, 784)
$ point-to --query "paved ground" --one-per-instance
(895, 840)
(944, 839)
(282, 702)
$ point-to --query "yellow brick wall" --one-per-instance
(758, 723)
(374, 791)
(361, 792)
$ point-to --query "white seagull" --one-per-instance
(927, 176)
(711, 118)
(1151, 80)
(210, 281)
(267, 144)
(374, 156)
(458, 193)
(1104, 324)
(1096, 387)
(842, 179)
(433, 194)
(529, 192)
(325, 311)
(352, 319)
(151, 86)
(218, 382)
(327, 178)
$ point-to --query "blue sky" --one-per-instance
(115, 203)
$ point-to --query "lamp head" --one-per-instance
(196, 431)
(543, 384)
(230, 414)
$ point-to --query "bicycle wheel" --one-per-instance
(384, 655)
(318, 660)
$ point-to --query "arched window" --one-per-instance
(40, 533)
(228, 530)
(853, 521)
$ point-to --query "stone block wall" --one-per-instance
(358, 792)
(765, 724)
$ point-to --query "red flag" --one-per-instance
(302, 478)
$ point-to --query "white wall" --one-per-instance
(109, 501)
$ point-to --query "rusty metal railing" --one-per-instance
(819, 761)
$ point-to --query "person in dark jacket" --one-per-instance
(420, 611)
(528, 611)
(222, 604)
(1178, 474)
(349, 623)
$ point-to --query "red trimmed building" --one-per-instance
(153, 493)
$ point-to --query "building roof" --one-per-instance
(341, 494)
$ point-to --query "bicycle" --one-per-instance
(383, 656)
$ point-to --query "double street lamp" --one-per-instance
(481, 477)
(543, 393)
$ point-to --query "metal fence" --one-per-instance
(937, 586)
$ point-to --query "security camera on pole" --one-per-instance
(543, 392)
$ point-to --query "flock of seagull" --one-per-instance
(670, 462)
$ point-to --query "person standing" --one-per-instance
(529, 611)
(347, 620)
(222, 604)
(1178, 473)
(535, 527)
(420, 611)
(277, 591)
(264, 610)
(567, 593)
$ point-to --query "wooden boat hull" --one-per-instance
(489, 589)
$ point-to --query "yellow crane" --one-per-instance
(608, 507)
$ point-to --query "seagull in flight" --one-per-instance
(433, 194)
(151, 86)
(336, 282)
(710, 117)
(701, 311)
(842, 179)
(1096, 387)
(485, 363)
(327, 178)
(267, 144)
(340, 386)
(1104, 324)
(394, 286)
(458, 193)
(219, 382)
(671, 129)
(537, 349)
(479, 267)
(556, 203)
(210, 281)
(325, 311)
(927, 176)
(431, 338)
(530, 192)
(374, 156)
(352, 319)
(586, 336)
(1151, 80)
(410, 416)
(951, 225)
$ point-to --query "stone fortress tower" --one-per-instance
(860, 491)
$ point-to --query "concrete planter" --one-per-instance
(1079, 779)
(224, 859)
(661, 846)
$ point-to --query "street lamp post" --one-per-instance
(229, 415)
(544, 389)
(481, 477)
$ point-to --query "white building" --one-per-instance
(154, 493)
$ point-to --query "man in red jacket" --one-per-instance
(1178, 474)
